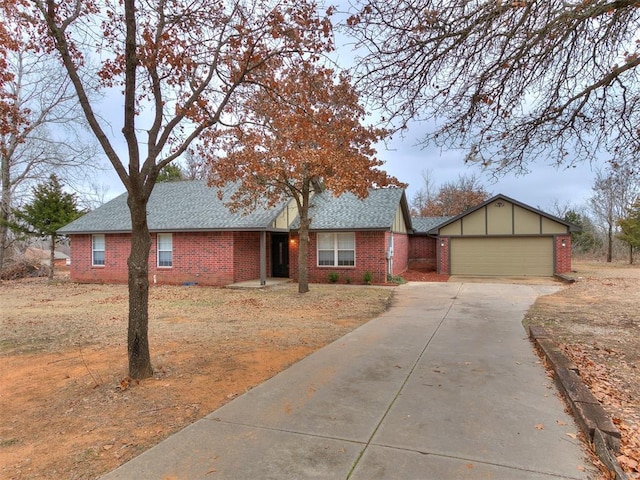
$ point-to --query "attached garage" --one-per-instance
(503, 237)
(502, 256)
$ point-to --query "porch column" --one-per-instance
(263, 258)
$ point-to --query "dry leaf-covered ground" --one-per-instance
(63, 356)
(597, 322)
(63, 411)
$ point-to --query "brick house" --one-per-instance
(197, 239)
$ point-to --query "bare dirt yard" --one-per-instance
(596, 321)
(66, 409)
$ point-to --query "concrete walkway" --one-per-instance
(445, 385)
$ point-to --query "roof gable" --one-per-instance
(435, 230)
(377, 211)
(177, 206)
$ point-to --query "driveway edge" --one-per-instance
(597, 426)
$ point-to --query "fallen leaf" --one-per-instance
(560, 422)
(539, 426)
(572, 435)
(124, 383)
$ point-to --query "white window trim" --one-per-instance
(335, 249)
(158, 249)
(94, 250)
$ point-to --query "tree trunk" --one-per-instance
(610, 244)
(138, 333)
(303, 256)
(5, 210)
(630, 254)
(303, 238)
(52, 256)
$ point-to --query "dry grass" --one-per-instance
(596, 321)
(67, 414)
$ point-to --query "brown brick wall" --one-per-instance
(370, 257)
(563, 254)
(422, 253)
(442, 246)
(400, 252)
(206, 258)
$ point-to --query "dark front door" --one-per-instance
(280, 255)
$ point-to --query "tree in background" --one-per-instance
(50, 209)
(508, 81)
(45, 133)
(586, 240)
(187, 168)
(305, 135)
(170, 173)
(450, 199)
(614, 190)
(630, 228)
(179, 68)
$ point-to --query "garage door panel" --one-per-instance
(502, 256)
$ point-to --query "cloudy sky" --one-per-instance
(543, 188)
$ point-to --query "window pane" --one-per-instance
(325, 241)
(98, 242)
(346, 257)
(97, 249)
(346, 241)
(164, 241)
(165, 259)
(98, 257)
(165, 250)
(325, 257)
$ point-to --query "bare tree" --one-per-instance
(614, 191)
(510, 81)
(194, 168)
(425, 194)
(45, 136)
(451, 198)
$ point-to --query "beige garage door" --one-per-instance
(502, 256)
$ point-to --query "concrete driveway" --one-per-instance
(445, 385)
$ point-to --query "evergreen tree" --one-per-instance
(586, 239)
(171, 173)
(51, 209)
(630, 229)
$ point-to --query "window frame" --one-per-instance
(335, 240)
(94, 249)
(163, 250)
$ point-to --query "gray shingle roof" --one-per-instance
(424, 224)
(176, 206)
(348, 212)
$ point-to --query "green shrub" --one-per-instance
(333, 277)
(367, 278)
(395, 279)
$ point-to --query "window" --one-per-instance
(336, 249)
(97, 250)
(165, 250)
